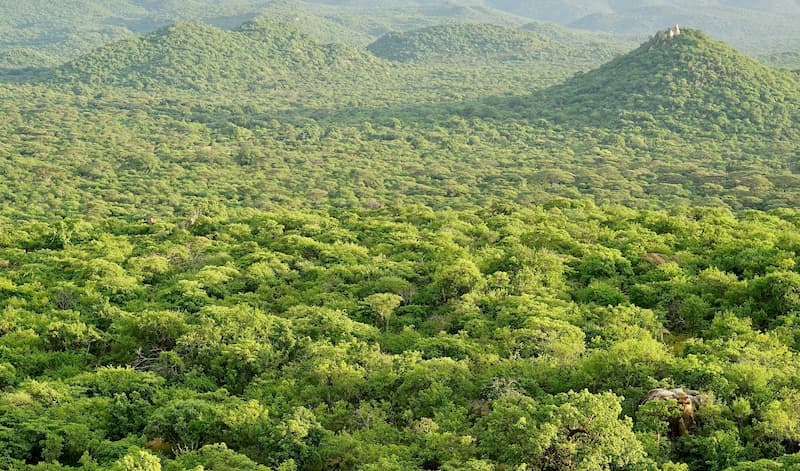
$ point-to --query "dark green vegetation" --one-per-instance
(236, 246)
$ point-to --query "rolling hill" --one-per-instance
(63, 31)
(259, 54)
(687, 82)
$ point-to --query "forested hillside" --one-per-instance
(258, 55)
(37, 33)
(687, 82)
(425, 236)
(676, 122)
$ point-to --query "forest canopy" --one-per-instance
(403, 338)
(293, 236)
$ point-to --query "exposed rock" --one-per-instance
(690, 400)
(158, 444)
(655, 259)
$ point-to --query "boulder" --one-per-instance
(690, 400)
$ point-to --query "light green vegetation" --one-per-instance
(397, 339)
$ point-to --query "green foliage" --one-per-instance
(138, 460)
(282, 366)
(245, 249)
(579, 431)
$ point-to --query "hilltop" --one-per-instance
(687, 82)
(259, 54)
(767, 27)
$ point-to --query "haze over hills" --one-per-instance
(569, 11)
(361, 23)
(758, 27)
(64, 30)
(36, 33)
(757, 31)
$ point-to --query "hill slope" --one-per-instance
(690, 81)
(259, 54)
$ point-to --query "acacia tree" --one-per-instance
(383, 305)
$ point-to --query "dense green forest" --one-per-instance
(335, 235)
(692, 122)
(403, 338)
